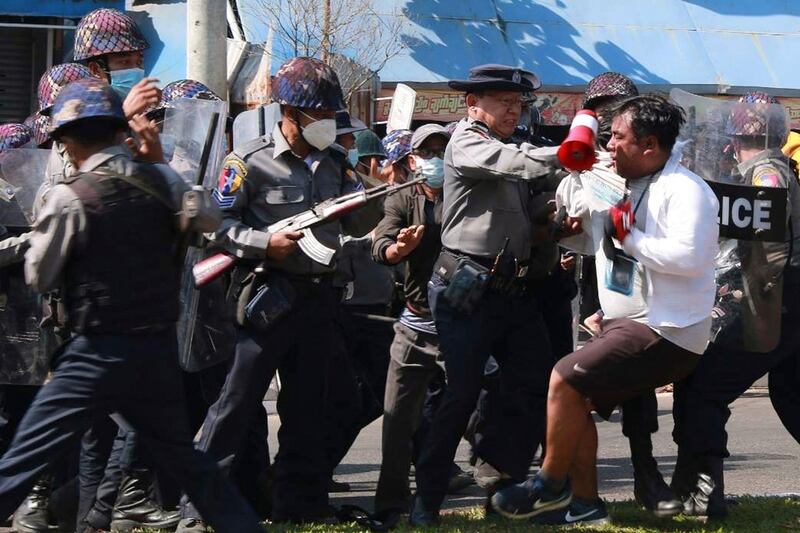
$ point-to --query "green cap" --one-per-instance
(368, 144)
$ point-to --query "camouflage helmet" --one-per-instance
(83, 99)
(39, 124)
(608, 85)
(14, 136)
(55, 79)
(107, 31)
(756, 115)
(397, 145)
(180, 89)
(309, 83)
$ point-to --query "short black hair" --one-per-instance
(652, 114)
(91, 131)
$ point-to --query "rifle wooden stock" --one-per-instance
(207, 270)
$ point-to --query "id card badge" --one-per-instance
(620, 273)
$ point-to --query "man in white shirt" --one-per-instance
(655, 268)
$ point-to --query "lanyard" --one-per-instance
(644, 192)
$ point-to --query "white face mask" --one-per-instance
(321, 133)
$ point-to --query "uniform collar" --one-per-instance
(281, 144)
(475, 123)
(103, 156)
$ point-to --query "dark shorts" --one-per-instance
(624, 361)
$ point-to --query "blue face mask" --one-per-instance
(123, 81)
(432, 170)
(352, 155)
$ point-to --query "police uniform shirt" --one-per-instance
(263, 182)
(485, 191)
(61, 223)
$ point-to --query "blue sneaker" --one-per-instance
(593, 514)
(529, 499)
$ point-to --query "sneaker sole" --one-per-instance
(557, 504)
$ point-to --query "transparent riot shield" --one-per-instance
(185, 132)
(22, 172)
(194, 133)
(254, 123)
(736, 147)
(24, 346)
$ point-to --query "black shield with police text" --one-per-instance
(735, 146)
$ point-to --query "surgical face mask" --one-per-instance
(432, 170)
(352, 155)
(321, 133)
(123, 80)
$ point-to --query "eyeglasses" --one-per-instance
(508, 101)
(426, 153)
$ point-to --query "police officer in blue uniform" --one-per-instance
(479, 293)
(286, 308)
(108, 237)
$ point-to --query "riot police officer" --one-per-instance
(757, 129)
(111, 46)
(477, 292)
(286, 308)
(121, 304)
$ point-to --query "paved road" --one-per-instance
(764, 458)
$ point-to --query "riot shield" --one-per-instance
(736, 147)
(205, 333)
(22, 172)
(24, 346)
(206, 328)
(254, 123)
(185, 131)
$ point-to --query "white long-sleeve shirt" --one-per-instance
(676, 248)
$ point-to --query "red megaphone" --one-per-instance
(577, 150)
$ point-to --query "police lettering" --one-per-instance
(745, 213)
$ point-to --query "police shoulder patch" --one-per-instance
(231, 178)
(767, 176)
(480, 128)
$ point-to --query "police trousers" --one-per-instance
(296, 347)
(133, 375)
(511, 329)
(701, 406)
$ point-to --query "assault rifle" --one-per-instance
(329, 210)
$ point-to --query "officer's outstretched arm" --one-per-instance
(12, 249)
(479, 156)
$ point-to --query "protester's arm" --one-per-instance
(572, 195)
(394, 219)
(691, 234)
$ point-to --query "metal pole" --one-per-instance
(206, 43)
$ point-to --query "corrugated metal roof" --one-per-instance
(714, 44)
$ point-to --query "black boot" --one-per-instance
(708, 497)
(135, 508)
(649, 487)
(32, 515)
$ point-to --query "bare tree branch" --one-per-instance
(358, 41)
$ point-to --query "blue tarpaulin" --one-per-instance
(707, 45)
